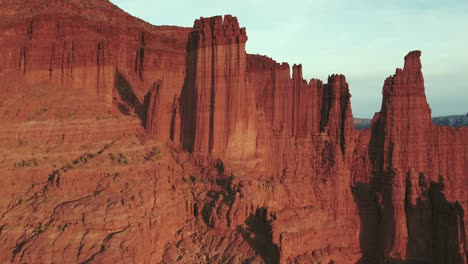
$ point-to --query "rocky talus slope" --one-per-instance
(124, 142)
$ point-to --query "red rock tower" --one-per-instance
(416, 174)
(218, 109)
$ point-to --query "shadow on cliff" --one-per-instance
(418, 220)
(370, 215)
(447, 230)
(129, 101)
(188, 96)
(259, 236)
(368, 202)
(448, 227)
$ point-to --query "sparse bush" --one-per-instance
(37, 113)
(154, 151)
(62, 227)
(120, 158)
(27, 163)
(123, 159)
(193, 179)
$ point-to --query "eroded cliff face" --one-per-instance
(217, 104)
(410, 168)
(93, 48)
(136, 143)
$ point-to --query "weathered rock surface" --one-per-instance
(126, 142)
(217, 105)
(417, 180)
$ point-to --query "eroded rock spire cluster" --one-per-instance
(259, 164)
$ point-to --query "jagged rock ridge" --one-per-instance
(239, 161)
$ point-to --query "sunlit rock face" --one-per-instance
(217, 105)
(127, 142)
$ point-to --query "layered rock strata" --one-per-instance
(258, 165)
(217, 104)
(414, 175)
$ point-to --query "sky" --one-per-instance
(364, 39)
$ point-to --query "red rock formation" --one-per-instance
(259, 164)
(94, 48)
(152, 119)
(337, 118)
(406, 154)
(289, 104)
(224, 125)
(406, 116)
(405, 110)
(292, 147)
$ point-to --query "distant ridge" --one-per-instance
(450, 120)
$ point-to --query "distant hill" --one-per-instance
(362, 123)
(450, 120)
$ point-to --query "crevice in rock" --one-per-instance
(80, 248)
(128, 102)
(365, 198)
(212, 100)
(72, 58)
(188, 96)
(103, 245)
(51, 61)
(175, 107)
(23, 60)
(326, 107)
(63, 61)
(259, 235)
(30, 30)
(447, 227)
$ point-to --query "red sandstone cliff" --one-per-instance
(126, 142)
(415, 176)
(217, 105)
(94, 48)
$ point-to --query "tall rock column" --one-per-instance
(336, 114)
(153, 122)
(401, 133)
(291, 106)
(306, 102)
(406, 117)
(282, 98)
(224, 109)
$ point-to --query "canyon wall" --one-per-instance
(218, 100)
(167, 144)
(96, 49)
(417, 182)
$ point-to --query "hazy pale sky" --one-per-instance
(363, 39)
